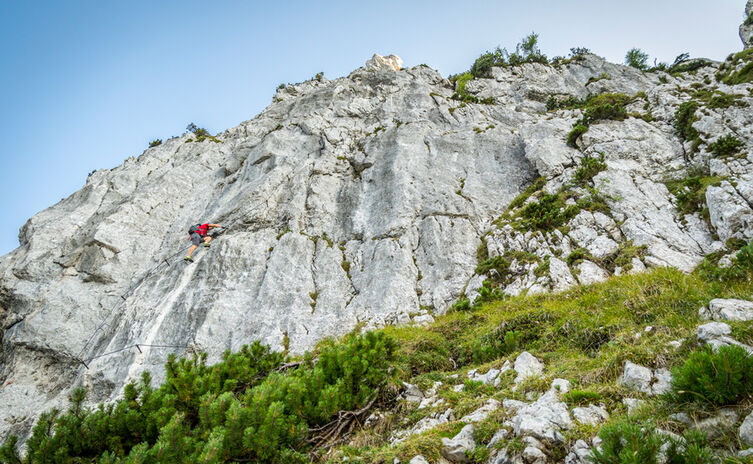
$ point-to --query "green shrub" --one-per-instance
(684, 66)
(577, 255)
(605, 110)
(498, 263)
(721, 100)
(483, 65)
(537, 185)
(737, 69)
(589, 167)
(155, 143)
(690, 192)
(727, 145)
(495, 345)
(575, 133)
(460, 93)
(200, 133)
(547, 213)
(637, 59)
(579, 51)
(239, 410)
(713, 378)
(684, 119)
(635, 443)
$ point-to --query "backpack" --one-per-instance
(193, 228)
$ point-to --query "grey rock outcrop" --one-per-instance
(746, 430)
(455, 448)
(746, 28)
(720, 309)
(527, 366)
(718, 334)
(355, 202)
(591, 414)
(544, 419)
(645, 380)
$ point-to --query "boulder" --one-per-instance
(544, 419)
(527, 366)
(746, 430)
(721, 309)
(590, 415)
(481, 413)
(454, 449)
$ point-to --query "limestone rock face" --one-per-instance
(746, 28)
(360, 201)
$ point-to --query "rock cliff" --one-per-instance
(382, 197)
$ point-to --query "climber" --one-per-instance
(198, 233)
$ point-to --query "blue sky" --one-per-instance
(85, 84)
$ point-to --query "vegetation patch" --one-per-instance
(201, 133)
(155, 143)
(740, 269)
(729, 73)
(726, 146)
(635, 442)
(690, 193)
(711, 378)
(684, 118)
(595, 108)
(589, 167)
(249, 407)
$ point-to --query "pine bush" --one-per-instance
(713, 378)
(238, 410)
(635, 443)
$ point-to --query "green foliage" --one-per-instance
(155, 143)
(483, 65)
(636, 58)
(727, 145)
(741, 268)
(690, 192)
(537, 185)
(636, 443)
(596, 108)
(575, 133)
(606, 106)
(684, 119)
(579, 51)
(737, 69)
(201, 133)
(713, 378)
(240, 409)
(589, 167)
(460, 93)
(721, 100)
(547, 213)
(683, 64)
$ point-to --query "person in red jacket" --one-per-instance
(199, 234)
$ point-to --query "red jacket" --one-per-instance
(202, 230)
